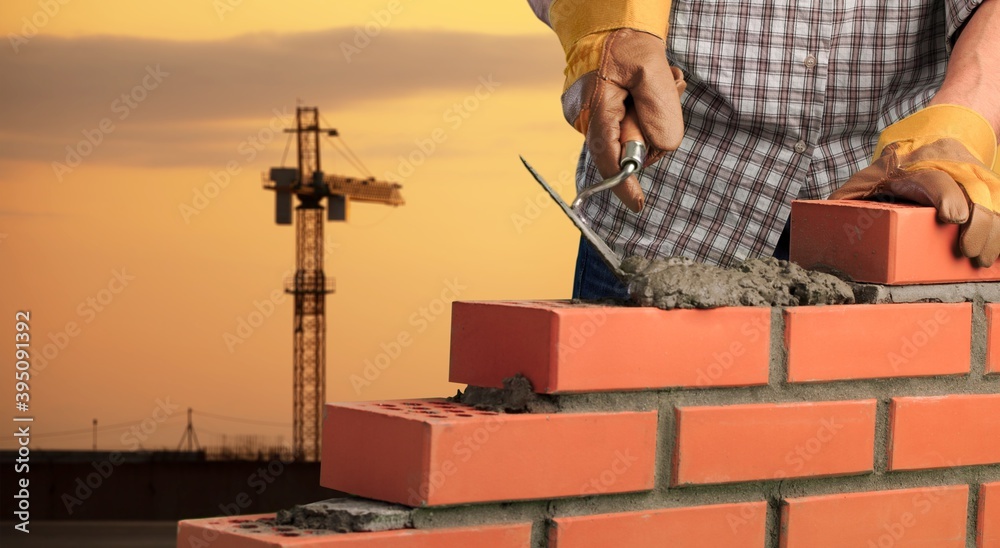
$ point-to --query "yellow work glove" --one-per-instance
(943, 156)
(619, 85)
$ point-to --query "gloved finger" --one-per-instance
(629, 191)
(654, 154)
(863, 184)
(679, 81)
(992, 248)
(658, 107)
(604, 131)
(979, 238)
(933, 188)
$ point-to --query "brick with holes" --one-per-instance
(258, 531)
(434, 452)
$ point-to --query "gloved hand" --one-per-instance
(616, 64)
(941, 156)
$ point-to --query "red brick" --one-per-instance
(827, 343)
(945, 431)
(230, 532)
(563, 347)
(768, 441)
(880, 243)
(740, 525)
(992, 338)
(924, 517)
(431, 452)
(988, 518)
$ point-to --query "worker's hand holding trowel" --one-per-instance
(619, 86)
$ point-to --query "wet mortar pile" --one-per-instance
(516, 396)
(347, 515)
(682, 283)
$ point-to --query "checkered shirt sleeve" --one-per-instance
(785, 100)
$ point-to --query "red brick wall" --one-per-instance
(869, 425)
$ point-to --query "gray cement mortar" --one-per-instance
(347, 515)
(682, 283)
(516, 396)
(934, 293)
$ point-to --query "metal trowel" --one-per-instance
(634, 155)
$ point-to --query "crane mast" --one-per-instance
(309, 285)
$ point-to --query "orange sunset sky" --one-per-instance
(133, 294)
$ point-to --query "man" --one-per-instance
(784, 99)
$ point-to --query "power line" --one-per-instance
(105, 428)
(349, 155)
(242, 420)
(355, 164)
(130, 424)
(353, 155)
(288, 144)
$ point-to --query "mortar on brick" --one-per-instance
(347, 515)
(516, 396)
(866, 293)
(681, 283)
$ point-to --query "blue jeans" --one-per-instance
(595, 281)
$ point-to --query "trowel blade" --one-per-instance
(605, 252)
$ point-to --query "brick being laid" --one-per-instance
(881, 243)
(435, 452)
(829, 343)
(562, 347)
(925, 516)
(749, 442)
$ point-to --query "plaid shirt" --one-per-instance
(785, 100)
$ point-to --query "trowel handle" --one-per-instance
(634, 153)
